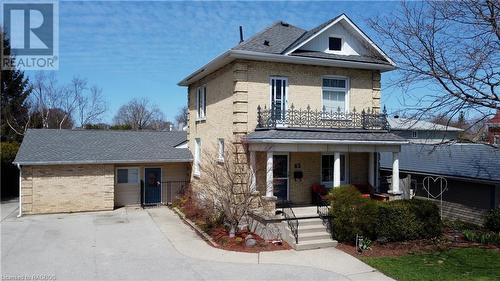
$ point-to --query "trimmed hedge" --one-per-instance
(399, 220)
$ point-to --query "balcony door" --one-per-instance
(279, 97)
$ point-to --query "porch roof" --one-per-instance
(333, 136)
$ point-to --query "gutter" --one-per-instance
(20, 190)
(104, 162)
(231, 55)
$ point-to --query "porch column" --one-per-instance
(371, 169)
(269, 175)
(395, 173)
(336, 169)
(253, 184)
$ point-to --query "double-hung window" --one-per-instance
(335, 94)
(127, 175)
(201, 102)
(197, 156)
(220, 157)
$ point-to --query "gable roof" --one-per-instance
(280, 43)
(472, 161)
(50, 146)
(418, 125)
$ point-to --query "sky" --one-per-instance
(144, 48)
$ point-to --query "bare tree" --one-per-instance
(450, 48)
(181, 118)
(55, 106)
(90, 107)
(139, 114)
(225, 187)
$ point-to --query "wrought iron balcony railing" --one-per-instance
(270, 118)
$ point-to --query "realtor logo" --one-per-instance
(32, 30)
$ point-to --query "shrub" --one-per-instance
(399, 220)
(427, 214)
(345, 202)
(396, 222)
(492, 220)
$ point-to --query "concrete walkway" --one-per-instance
(188, 243)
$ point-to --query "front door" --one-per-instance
(279, 96)
(280, 177)
(152, 185)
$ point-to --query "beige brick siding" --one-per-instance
(235, 91)
(358, 163)
(67, 188)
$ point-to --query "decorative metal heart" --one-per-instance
(427, 184)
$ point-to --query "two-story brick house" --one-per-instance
(304, 105)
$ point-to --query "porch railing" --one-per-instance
(323, 211)
(293, 222)
(270, 118)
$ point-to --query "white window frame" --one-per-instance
(329, 184)
(220, 149)
(287, 172)
(414, 134)
(197, 157)
(287, 92)
(201, 103)
(128, 168)
(341, 44)
(346, 90)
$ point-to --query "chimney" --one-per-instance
(241, 33)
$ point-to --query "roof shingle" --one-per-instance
(49, 146)
(458, 160)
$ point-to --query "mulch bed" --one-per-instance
(450, 239)
(221, 237)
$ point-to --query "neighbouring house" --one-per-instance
(421, 131)
(494, 129)
(90, 170)
(303, 107)
(472, 173)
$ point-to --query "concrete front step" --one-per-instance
(308, 222)
(303, 237)
(315, 244)
(319, 228)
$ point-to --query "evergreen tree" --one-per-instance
(15, 90)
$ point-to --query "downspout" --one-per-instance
(20, 194)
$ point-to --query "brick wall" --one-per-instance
(67, 188)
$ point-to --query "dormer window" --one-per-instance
(334, 44)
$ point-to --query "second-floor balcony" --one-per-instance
(276, 117)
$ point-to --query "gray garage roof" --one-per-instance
(418, 125)
(473, 161)
(49, 146)
(333, 136)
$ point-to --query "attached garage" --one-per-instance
(92, 170)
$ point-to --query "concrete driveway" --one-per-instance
(124, 244)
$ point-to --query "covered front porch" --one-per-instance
(286, 170)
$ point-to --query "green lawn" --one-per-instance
(455, 264)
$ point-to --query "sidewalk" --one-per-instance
(188, 243)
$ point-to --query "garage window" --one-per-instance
(127, 175)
